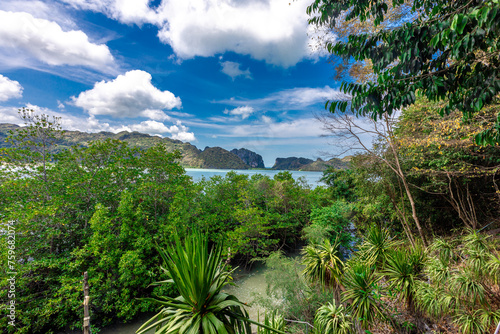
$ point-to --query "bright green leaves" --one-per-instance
(458, 23)
(199, 274)
(451, 52)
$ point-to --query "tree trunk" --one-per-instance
(402, 176)
(86, 299)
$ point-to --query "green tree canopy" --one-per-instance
(448, 50)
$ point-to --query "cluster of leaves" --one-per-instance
(440, 156)
(452, 284)
(103, 209)
(199, 274)
(447, 50)
(254, 215)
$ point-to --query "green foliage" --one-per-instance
(448, 50)
(103, 207)
(459, 285)
(199, 275)
(377, 246)
(402, 270)
(362, 293)
(272, 319)
(333, 319)
(254, 215)
(336, 220)
(341, 183)
(33, 146)
(323, 263)
(289, 293)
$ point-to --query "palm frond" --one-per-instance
(468, 288)
(444, 249)
(403, 268)
(333, 319)
(493, 267)
(376, 246)
(361, 292)
(469, 322)
(322, 263)
(202, 308)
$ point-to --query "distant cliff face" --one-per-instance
(291, 163)
(252, 159)
(304, 164)
(217, 157)
(320, 165)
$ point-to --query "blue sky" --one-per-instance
(228, 73)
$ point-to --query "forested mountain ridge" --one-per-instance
(191, 156)
(210, 157)
(303, 164)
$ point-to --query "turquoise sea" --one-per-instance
(312, 178)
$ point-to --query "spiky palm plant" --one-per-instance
(438, 271)
(274, 320)
(361, 292)
(493, 267)
(431, 299)
(376, 246)
(468, 288)
(469, 322)
(444, 249)
(402, 270)
(489, 318)
(475, 240)
(202, 307)
(333, 319)
(323, 263)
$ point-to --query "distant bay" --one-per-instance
(312, 178)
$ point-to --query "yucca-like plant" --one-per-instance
(402, 270)
(202, 308)
(493, 267)
(376, 246)
(477, 261)
(322, 263)
(466, 286)
(272, 319)
(430, 298)
(333, 319)
(469, 322)
(489, 318)
(361, 292)
(438, 271)
(445, 250)
(477, 241)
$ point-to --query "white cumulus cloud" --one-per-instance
(177, 131)
(293, 99)
(126, 11)
(275, 31)
(129, 95)
(9, 89)
(92, 124)
(51, 11)
(24, 35)
(233, 70)
(243, 112)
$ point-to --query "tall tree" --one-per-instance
(353, 133)
(447, 50)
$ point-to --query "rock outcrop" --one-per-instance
(252, 159)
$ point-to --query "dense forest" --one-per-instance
(406, 240)
(109, 208)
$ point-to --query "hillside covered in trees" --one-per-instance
(405, 240)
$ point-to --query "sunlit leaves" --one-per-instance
(446, 50)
